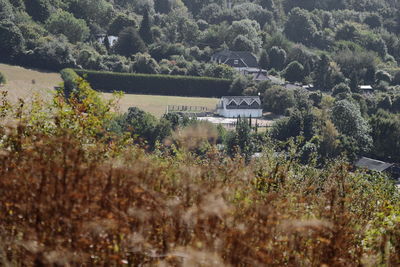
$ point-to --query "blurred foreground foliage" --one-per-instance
(72, 193)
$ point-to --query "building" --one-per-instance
(244, 62)
(391, 169)
(112, 40)
(237, 59)
(239, 106)
(366, 89)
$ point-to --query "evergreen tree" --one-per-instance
(107, 43)
(294, 72)
(129, 42)
(322, 73)
(277, 58)
(354, 81)
(162, 6)
(264, 61)
(145, 28)
(38, 9)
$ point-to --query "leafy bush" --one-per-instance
(70, 79)
(65, 23)
(156, 84)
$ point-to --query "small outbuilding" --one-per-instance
(391, 169)
(240, 106)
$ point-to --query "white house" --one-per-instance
(243, 106)
(112, 40)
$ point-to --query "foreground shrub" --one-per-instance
(70, 194)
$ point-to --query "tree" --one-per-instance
(349, 122)
(354, 82)
(211, 13)
(107, 44)
(299, 123)
(11, 40)
(129, 42)
(373, 21)
(144, 127)
(277, 58)
(220, 71)
(382, 75)
(162, 6)
(247, 28)
(300, 27)
(294, 72)
(6, 10)
(241, 43)
(386, 135)
(385, 103)
(263, 62)
(322, 79)
(63, 22)
(341, 88)
(240, 141)
(145, 28)
(119, 23)
(396, 79)
(278, 99)
(39, 10)
(238, 85)
(92, 11)
(144, 63)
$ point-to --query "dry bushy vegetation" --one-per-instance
(71, 194)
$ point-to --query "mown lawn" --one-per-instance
(157, 105)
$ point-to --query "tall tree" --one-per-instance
(39, 10)
(348, 120)
(294, 72)
(300, 27)
(322, 73)
(145, 28)
(277, 58)
(11, 40)
(129, 42)
(65, 23)
(263, 61)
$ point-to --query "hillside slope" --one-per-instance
(25, 83)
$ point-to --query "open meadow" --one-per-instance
(156, 104)
(25, 83)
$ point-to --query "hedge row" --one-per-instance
(156, 84)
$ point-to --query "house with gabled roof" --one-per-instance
(240, 106)
(236, 59)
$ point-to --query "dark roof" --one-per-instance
(240, 100)
(372, 164)
(247, 57)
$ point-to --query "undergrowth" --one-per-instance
(72, 194)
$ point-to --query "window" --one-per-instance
(236, 62)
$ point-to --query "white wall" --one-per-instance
(243, 113)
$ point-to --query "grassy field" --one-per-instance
(25, 83)
(157, 105)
